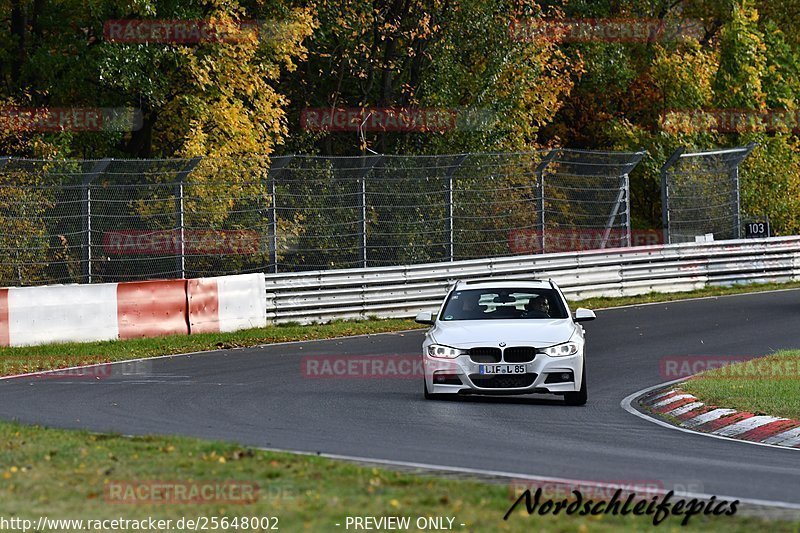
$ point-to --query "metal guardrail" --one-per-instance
(403, 291)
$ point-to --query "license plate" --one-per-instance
(501, 369)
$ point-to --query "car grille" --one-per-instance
(511, 381)
(485, 354)
(519, 354)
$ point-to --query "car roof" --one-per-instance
(508, 284)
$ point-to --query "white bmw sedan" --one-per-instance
(505, 337)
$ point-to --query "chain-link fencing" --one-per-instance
(120, 220)
(700, 194)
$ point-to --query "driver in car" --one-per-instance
(540, 304)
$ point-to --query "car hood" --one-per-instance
(532, 332)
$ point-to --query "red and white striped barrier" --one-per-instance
(227, 303)
(109, 311)
(60, 313)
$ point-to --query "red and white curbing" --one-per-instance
(690, 413)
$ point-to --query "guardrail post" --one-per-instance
(540, 168)
(180, 212)
(277, 167)
(665, 192)
(450, 220)
(86, 217)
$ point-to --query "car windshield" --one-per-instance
(507, 303)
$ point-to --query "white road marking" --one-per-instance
(541, 479)
(205, 352)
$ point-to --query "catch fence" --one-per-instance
(700, 194)
(118, 220)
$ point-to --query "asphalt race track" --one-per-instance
(260, 397)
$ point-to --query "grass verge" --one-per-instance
(36, 358)
(655, 297)
(73, 474)
(768, 385)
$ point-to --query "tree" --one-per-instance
(442, 54)
(216, 96)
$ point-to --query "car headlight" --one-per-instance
(562, 350)
(444, 352)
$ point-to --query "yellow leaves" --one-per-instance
(13, 470)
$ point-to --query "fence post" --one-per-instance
(277, 167)
(612, 216)
(626, 184)
(665, 192)
(450, 220)
(737, 231)
(180, 212)
(737, 221)
(86, 212)
(551, 155)
(367, 164)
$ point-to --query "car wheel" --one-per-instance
(579, 397)
(430, 395)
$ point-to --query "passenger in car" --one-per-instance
(470, 309)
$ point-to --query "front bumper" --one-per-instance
(462, 376)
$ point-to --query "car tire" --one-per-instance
(429, 395)
(579, 397)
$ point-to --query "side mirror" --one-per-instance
(584, 315)
(425, 317)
